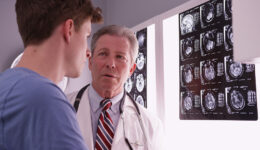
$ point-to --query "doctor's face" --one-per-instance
(111, 64)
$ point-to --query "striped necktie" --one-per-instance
(105, 129)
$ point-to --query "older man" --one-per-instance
(108, 117)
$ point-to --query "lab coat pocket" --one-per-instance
(134, 132)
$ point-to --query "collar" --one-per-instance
(95, 100)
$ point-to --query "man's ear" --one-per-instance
(88, 53)
(68, 29)
(132, 69)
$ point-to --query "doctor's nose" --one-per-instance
(111, 63)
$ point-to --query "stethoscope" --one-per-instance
(121, 110)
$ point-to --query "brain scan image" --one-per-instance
(187, 74)
(250, 67)
(187, 23)
(140, 100)
(208, 12)
(187, 47)
(128, 85)
(210, 101)
(187, 102)
(209, 71)
(236, 70)
(209, 43)
(237, 100)
(141, 40)
(140, 82)
(228, 8)
(230, 35)
(140, 61)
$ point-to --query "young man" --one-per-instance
(34, 112)
(108, 117)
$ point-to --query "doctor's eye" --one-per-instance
(121, 57)
(102, 54)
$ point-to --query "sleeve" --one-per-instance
(47, 121)
(159, 140)
(154, 129)
(55, 118)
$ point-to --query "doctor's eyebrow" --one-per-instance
(121, 53)
(102, 49)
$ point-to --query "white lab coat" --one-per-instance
(128, 121)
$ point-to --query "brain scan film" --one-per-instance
(141, 40)
(140, 61)
(228, 9)
(187, 74)
(213, 86)
(187, 102)
(237, 100)
(140, 100)
(236, 69)
(136, 84)
(208, 12)
(187, 47)
(228, 36)
(187, 23)
(209, 71)
(128, 85)
(210, 101)
(209, 41)
(140, 82)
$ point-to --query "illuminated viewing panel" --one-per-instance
(212, 85)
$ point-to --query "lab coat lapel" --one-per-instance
(85, 124)
(134, 135)
(119, 133)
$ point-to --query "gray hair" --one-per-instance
(120, 31)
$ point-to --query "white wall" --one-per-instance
(10, 41)
(246, 29)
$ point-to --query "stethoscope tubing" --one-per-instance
(121, 109)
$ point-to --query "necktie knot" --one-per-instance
(105, 104)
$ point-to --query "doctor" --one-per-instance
(108, 117)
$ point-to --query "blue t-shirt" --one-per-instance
(35, 114)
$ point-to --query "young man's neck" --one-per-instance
(43, 60)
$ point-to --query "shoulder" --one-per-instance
(41, 104)
(35, 91)
(39, 88)
(72, 96)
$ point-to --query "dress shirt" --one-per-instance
(94, 100)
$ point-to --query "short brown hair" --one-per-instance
(120, 31)
(37, 19)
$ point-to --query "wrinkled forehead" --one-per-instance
(113, 41)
